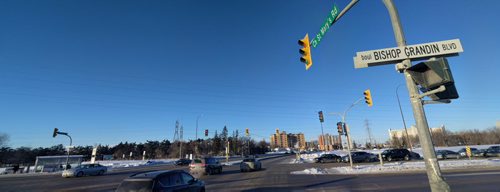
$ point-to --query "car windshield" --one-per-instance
(135, 186)
(248, 160)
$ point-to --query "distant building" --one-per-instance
(412, 132)
(284, 140)
(328, 143)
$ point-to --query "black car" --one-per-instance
(168, 180)
(396, 154)
(328, 158)
(493, 151)
(183, 162)
(360, 156)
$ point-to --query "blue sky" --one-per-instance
(111, 71)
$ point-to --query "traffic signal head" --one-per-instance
(55, 132)
(340, 128)
(430, 75)
(321, 119)
(206, 132)
(305, 51)
(368, 97)
(247, 132)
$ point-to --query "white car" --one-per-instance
(250, 164)
(85, 169)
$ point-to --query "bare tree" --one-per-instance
(4, 139)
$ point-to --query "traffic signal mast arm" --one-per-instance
(349, 6)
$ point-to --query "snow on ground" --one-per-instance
(397, 167)
(133, 163)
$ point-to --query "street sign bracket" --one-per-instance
(438, 90)
(443, 101)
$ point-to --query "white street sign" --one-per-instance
(414, 52)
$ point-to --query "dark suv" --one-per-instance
(171, 180)
(493, 151)
(396, 154)
(205, 166)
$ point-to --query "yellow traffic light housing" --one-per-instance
(305, 51)
(368, 97)
(247, 132)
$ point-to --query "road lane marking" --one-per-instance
(472, 174)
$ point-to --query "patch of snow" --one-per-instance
(312, 171)
(397, 167)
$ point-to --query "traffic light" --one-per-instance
(321, 119)
(206, 132)
(430, 75)
(305, 51)
(55, 132)
(247, 132)
(368, 97)
(340, 128)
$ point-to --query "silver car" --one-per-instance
(250, 164)
(85, 169)
(447, 154)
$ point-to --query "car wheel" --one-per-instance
(79, 174)
(202, 189)
(220, 170)
(321, 161)
(242, 170)
(458, 157)
(338, 160)
(101, 172)
(407, 158)
(389, 158)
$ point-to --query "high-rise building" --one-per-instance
(284, 140)
(328, 142)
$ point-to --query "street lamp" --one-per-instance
(343, 116)
(57, 132)
(402, 117)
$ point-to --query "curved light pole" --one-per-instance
(57, 132)
(402, 117)
(348, 135)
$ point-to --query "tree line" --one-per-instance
(214, 146)
(450, 138)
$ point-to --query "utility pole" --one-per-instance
(180, 141)
(403, 117)
(436, 180)
(368, 130)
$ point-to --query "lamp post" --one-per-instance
(402, 117)
(348, 134)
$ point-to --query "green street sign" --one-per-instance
(329, 20)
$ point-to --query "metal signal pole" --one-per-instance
(436, 181)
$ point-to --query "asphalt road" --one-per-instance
(275, 177)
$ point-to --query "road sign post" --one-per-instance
(436, 181)
(469, 153)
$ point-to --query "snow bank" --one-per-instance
(133, 163)
(402, 167)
